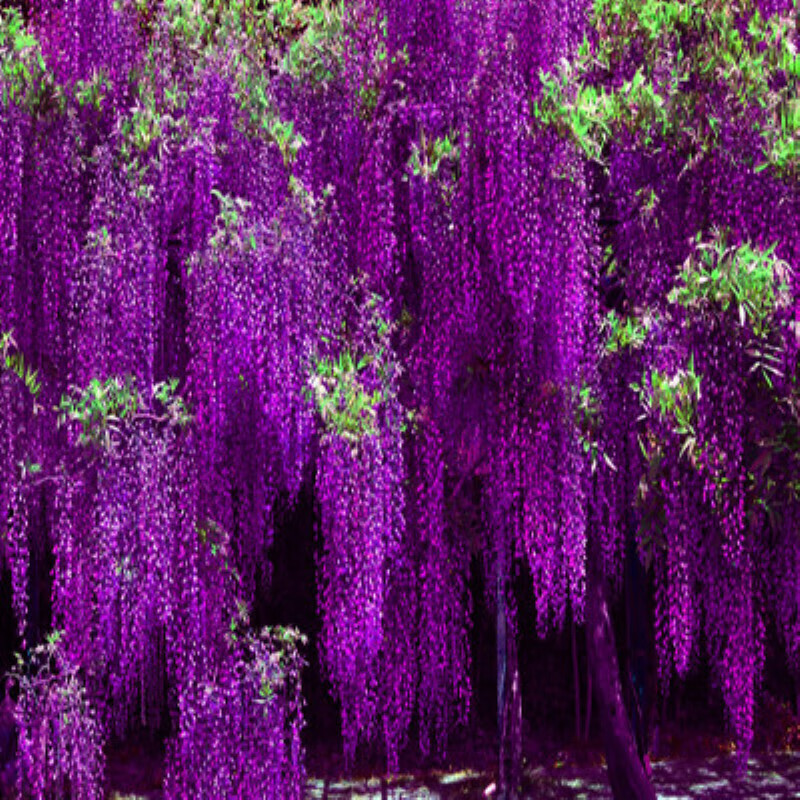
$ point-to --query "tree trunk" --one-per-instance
(576, 679)
(640, 667)
(509, 698)
(587, 727)
(626, 772)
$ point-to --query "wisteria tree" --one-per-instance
(700, 334)
(505, 281)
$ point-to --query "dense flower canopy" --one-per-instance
(495, 278)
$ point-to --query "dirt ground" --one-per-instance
(775, 777)
(694, 767)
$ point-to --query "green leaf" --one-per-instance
(23, 41)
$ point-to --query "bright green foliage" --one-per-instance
(93, 91)
(174, 407)
(302, 40)
(625, 333)
(337, 386)
(154, 124)
(590, 116)
(100, 241)
(299, 38)
(284, 663)
(649, 201)
(427, 155)
(274, 652)
(672, 398)
(192, 22)
(13, 360)
(190, 39)
(140, 130)
(100, 409)
(240, 41)
(232, 211)
(373, 71)
(313, 205)
(288, 142)
(748, 285)
(719, 276)
(260, 117)
(253, 98)
(317, 55)
(372, 79)
(104, 407)
(234, 231)
(344, 406)
(24, 78)
(588, 423)
(683, 44)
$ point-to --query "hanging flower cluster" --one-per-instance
(727, 301)
(60, 737)
(435, 258)
(239, 736)
(698, 328)
(239, 703)
(360, 473)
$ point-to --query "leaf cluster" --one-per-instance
(13, 361)
(627, 332)
(374, 73)
(100, 409)
(298, 39)
(591, 115)
(695, 69)
(345, 407)
(61, 739)
(718, 277)
(317, 55)
(429, 154)
(272, 656)
(24, 78)
(93, 91)
(277, 661)
(588, 421)
(671, 398)
(103, 408)
(288, 141)
(230, 230)
(349, 389)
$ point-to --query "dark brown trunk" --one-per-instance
(510, 766)
(576, 679)
(626, 772)
(588, 719)
(509, 698)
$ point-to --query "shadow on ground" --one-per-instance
(770, 777)
(701, 771)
